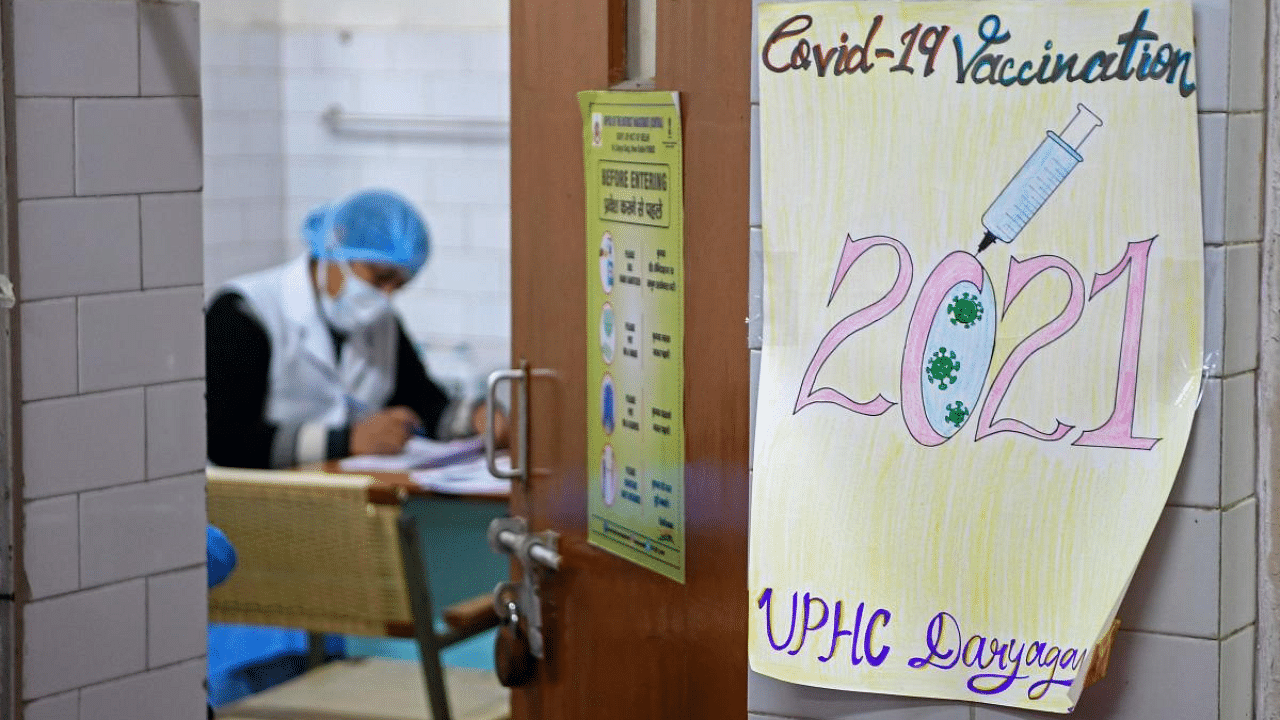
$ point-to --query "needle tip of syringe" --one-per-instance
(987, 240)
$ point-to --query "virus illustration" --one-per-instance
(957, 413)
(943, 368)
(965, 310)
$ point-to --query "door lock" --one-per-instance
(513, 661)
(536, 553)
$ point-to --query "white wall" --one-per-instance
(462, 187)
(244, 167)
(1186, 646)
(270, 157)
(112, 360)
(491, 14)
(239, 13)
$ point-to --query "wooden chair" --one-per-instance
(335, 554)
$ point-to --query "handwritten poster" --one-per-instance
(635, 326)
(982, 337)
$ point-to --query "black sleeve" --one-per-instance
(414, 389)
(237, 359)
(237, 365)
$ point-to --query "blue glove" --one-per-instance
(220, 554)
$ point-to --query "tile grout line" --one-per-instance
(142, 275)
(79, 552)
(107, 391)
(137, 46)
(75, 165)
(1222, 574)
(1162, 633)
(47, 198)
(75, 328)
(1222, 409)
(116, 678)
(1240, 631)
(106, 293)
(146, 623)
(1214, 508)
(1238, 503)
(146, 434)
(79, 353)
(102, 97)
(102, 585)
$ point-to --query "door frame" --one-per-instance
(1267, 658)
(12, 591)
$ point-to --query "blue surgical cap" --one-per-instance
(375, 226)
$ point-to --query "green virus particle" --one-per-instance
(957, 413)
(965, 310)
(943, 368)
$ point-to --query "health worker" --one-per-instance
(307, 361)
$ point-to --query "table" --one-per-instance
(399, 486)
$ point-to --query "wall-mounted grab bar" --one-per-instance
(486, 129)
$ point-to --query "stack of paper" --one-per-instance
(419, 452)
(465, 478)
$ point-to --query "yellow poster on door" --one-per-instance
(982, 338)
(633, 159)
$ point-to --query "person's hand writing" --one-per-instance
(384, 432)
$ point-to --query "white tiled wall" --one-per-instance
(462, 187)
(1189, 619)
(103, 231)
(174, 691)
(478, 13)
(109, 132)
(109, 175)
(270, 158)
(244, 151)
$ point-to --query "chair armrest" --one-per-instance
(471, 616)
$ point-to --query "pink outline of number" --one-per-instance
(841, 331)
(1117, 431)
(954, 268)
(1021, 273)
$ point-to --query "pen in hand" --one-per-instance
(384, 432)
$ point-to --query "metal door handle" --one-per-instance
(522, 424)
(520, 418)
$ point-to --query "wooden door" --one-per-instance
(622, 641)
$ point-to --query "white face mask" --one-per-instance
(358, 304)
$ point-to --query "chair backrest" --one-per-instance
(313, 552)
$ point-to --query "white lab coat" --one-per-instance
(306, 387)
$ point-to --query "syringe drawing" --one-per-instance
(1037, 179)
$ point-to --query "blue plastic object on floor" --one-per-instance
(245, 659)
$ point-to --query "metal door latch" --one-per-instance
(536, 553)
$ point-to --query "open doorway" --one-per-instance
(308, 101)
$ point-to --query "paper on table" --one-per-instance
(465, 478)
(419, 452)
